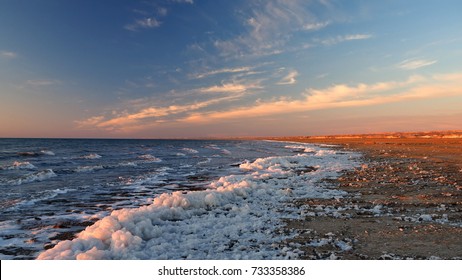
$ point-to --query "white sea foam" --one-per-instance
(322, 153)
(21, 165)
(300, 148)
(190, 151)
(207, 160)
(47, 152)
(91, 156)
(128, 163)
(149, 158)
(89, 168)
(236, 218)
(215, 147)
(34, 177)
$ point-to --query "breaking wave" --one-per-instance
(34, 177)
(236, 217)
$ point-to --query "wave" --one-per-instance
(89, 168)
(44, 196)
(207, 160)
(235, 218)
(47, 152)
(190, 151)
(91, 156)
(226, 152)
(149, 158)
(34, 177)
(300, 148)
(20, 165)
(215, 147)
(128, 163)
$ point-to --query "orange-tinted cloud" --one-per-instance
(336, 96)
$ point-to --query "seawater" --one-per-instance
(52, 189)
(152, 198)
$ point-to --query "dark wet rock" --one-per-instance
(305, 169)
(70, 224)
(64, 236)
(17, 251)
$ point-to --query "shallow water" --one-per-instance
(52, 189)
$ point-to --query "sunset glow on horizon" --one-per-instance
(192, 68)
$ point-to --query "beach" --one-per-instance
(404, 202)
(345, 197)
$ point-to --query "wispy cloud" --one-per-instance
(335, 96)
(90, 122)
(289, 79)
(222, 71)
(225, 88)
(184, 1)
(145, 23)
(411, 64)
(338, 96)
(343, 38)
(314, 26)
(269, 26)
(147, 116)
(8, 54)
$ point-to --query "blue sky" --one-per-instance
(192, 68)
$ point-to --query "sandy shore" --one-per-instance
(404, 202)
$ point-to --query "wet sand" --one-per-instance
(404, 202)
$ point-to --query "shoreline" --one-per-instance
(404, 202)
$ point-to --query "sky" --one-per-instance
(219, 68)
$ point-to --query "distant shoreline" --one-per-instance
(385, 135)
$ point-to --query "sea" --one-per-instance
(158, 199)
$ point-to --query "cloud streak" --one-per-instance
(341, 96)
(145, 23)
(225, 88)
(344, 38)
(8, 54)
(335, 96)
(222, 71)
(269, 26)
(289, 79)
(154, 115)
(315, 26)
(412, 64)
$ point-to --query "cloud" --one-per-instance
(314, 26)
(415, 87)
(183, 1)
(150, 116)
(90, 122)
(8, 54)
(146, 23)
(268, 27)
(222, 71)
(411, 64)
(289, 79)
(339, 39)
(340, 96)
(225, 88)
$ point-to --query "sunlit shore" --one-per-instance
(405, 201)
